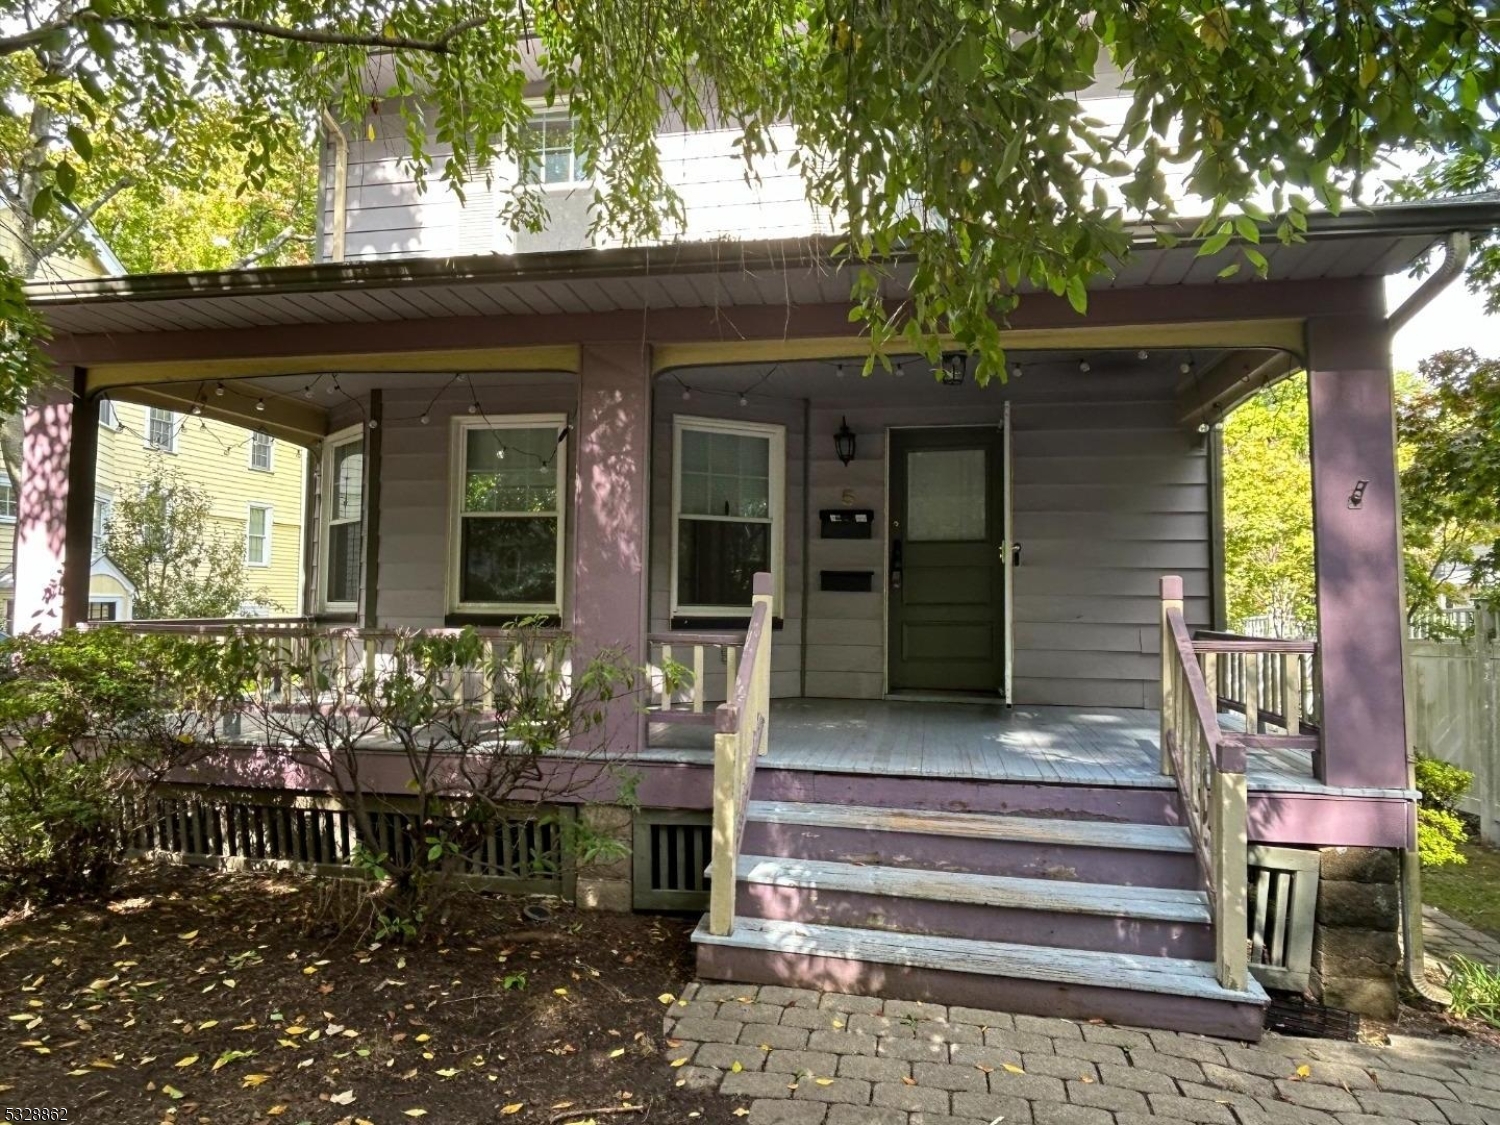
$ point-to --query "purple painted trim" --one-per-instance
(1313, 820)
(1012, 994)
(1105, 933)
(1171, 588)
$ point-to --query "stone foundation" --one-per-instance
(1356, 942)
(605, 884)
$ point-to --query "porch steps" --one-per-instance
(1077, 984)
(1086, 918)
(1093, 851)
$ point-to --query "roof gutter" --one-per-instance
(1455, 258)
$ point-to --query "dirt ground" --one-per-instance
(217, 999)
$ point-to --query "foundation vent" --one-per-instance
(672, 850)
(1283, 905)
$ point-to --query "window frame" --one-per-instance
(268, 509)
(270, 447)
(15, 499)
(105, 499)
(777, 507)
(109, 413)
(458, 454)
(146, 435)
(331, 445)
(541, 115)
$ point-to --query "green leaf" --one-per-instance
(1216, 241)
(82, 144)
(1078, 295)
(41, 205)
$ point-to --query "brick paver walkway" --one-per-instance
(793, 1057)
(1444, 935)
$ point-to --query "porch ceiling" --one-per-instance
(710, 275)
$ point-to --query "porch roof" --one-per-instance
(1356, 243)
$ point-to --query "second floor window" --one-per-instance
(7, 499)
(260, 452)
(104, 510)
(107, 415)
(161, 429)
(558, 159)
(258, 535)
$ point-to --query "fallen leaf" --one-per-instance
(1013, 1068)
(514, 1107)
(618, 1051)
(172, 1092)
(736, 1066)
(276, 1111)
(189, 1061)
(823, 1081)
(345, 1098)
(666, 998)
(678, 1062)
(189, 936)
(908, 1081)
(415, 1112)
(1304, 1071)
(252, 1080)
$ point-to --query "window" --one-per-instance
(508, 499)
(104, 511)
(161, 429)
(258, 535)
(726, 509)
(107, 415)
(260, 451)
(557, 158)
(343, 517)
(104, 610)
(7, 499)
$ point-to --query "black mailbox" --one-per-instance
(847, 523)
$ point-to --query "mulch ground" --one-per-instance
(217, 999)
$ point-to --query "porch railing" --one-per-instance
(1209, 766)
(688, 701)
(741, 735)
(1272, 683)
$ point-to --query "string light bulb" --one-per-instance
(307, 391)
(1084, 366)
(219, 389)
(374, 423)
(1015, 370)
(426, 420)
(1143, 354)
(260, 405)
(473, 408)
(686, 394)
(1186, 367)
(744, 401)
(198, 407)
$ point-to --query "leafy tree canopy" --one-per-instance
(948, 128)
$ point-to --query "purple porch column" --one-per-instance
(54, 524)
(1357, 536)
(613, 492)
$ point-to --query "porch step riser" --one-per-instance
(1054, 929)
(1070, 802)
(1121, 867)
(1010, 994)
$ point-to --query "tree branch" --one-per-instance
(439, 44)
(82, 218)
(287, 234)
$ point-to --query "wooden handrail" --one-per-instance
(741, 735)
(1209, 766)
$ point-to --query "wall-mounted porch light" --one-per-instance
(843, 441)
(955, 367)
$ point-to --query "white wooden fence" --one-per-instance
(1453, 694)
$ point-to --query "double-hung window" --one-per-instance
(258, 535)
(343, 519)
(260, 451)
(7, 499)
(161, 429)
(555, 157)
(726, 513)
(509, 496)
(104, 511)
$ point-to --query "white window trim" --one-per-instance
(114, 414)
(146, 429)
(270, 454)
(777, 435)
(16, 497)
(325, 515)
(107, 498)
(538, 109)
(255, 506)
(459, 445)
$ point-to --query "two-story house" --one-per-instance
(961, 727)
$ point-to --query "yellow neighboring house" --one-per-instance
(256, 485)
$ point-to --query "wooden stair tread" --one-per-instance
(985, 826)
(1162, 904)
(1081, 968)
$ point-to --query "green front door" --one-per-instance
(946, 575)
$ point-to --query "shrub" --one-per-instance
(1476, 991)
(90, 722)
(481, 734)
(1440, 828)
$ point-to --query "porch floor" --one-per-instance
(1111, 746)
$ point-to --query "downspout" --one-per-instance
(340, 183)
(1414, 961)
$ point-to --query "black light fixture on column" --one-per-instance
(955, 367)
(843, 441)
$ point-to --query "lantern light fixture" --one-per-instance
(843, 441)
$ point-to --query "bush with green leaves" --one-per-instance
(90, 723)
(1476, 990)
(480, 730)
(1440, 827)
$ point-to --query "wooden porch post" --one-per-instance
(613, 496)
(55, 514)
(1357, 541)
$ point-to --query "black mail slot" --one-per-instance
(847, 581)
(847, 523)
